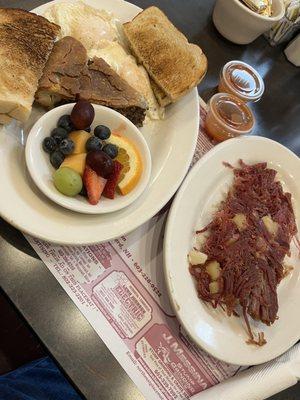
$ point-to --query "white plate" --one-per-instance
(41, 171)
(171, 141)
(192, 208)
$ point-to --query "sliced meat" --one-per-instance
(68, 74)
(112, 91)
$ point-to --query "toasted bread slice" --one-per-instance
(68, 74)
(161, 96)
(174, 64)
(5, 119)
(26, 41)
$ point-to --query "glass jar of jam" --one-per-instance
(228, 117)
(242, 80)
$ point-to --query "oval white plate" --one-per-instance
(41, 170)
(172, 144)
(192, 208)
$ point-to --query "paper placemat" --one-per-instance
(119, 287)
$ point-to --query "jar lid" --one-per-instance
(243, 80)
(232, 112)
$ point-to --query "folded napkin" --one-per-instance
(260, 382)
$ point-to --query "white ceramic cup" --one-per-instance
(237, 23)
(292, 51)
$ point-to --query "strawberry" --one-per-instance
(94, 185)
(111, 184)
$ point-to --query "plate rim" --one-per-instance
(147, 216)
(166, 248)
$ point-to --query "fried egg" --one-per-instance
(101, 34)
(93, 28)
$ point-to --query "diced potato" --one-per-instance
(241, 221)
(214, 287)
(270, 225)
(197, 257)
(234, 238)
(200, 240)
(213, 269)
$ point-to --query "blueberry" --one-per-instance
(83, 192)
(88, 129)
(59, 134)
(56, 159)
(65, 122)
(66, 146)
(93, 143)
(49, 144)
(111, 150)
(102, 132)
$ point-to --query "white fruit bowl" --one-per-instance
(41, 170)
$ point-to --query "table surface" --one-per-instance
(31, 286)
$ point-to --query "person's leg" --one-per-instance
(38, 380)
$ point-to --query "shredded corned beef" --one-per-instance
(250, 252)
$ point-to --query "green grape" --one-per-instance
(67, 181)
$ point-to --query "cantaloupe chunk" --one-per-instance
(75, 162)
(79, 138)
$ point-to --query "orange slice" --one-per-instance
(131, 160)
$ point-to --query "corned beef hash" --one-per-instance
(239, 261)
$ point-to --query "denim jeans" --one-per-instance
(38, 380)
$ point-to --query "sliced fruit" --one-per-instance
(75, 162)
(94, 185)
(111, 184)
(79, 138)
(130, 158)
(123, 158)
(67, 181)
